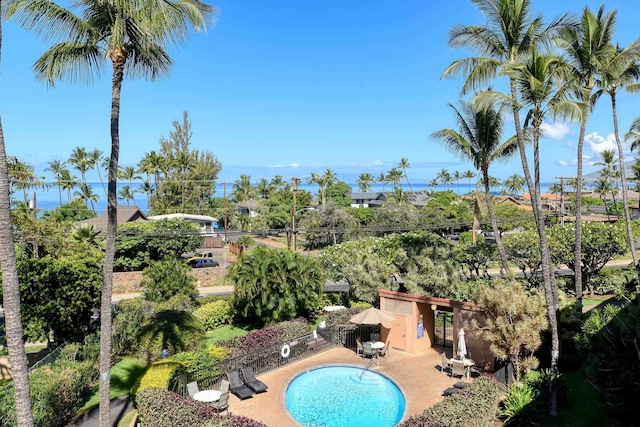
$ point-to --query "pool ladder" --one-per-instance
(314, 423)
(373, 359)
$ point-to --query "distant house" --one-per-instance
(376, 200)
(249, 207)
(207, 224)
(512, 201)
(125, 214)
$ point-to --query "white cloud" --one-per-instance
(598, 143)
(294, 165)
(274, 166)
(563, 163)
(378, 162)
(555, 131)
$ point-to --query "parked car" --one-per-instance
(203, 263)
(200, 255)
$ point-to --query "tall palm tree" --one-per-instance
(457, 177)
(137, 49)
(621, 71)
(609, 171)
(469, 175)
(97, 162)
(382, 179)
(444, 177)
(56, 167)
(510, 32)
(85, 192)
(602, 186)
(515, 184)
(586, 48)
(242, 189)
(434, 183)
(394, 176)
(128, 173)
(126, 194)
(404, 165)
(263, 188)
(79, 159)
(364, 182)
(11, 292)
(323, 181)
(479, 140)
(68, 182)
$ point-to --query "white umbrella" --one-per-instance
(462, 345)
(371, 316)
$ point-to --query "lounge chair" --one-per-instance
(224, 386)
(222, 404)
(445, 365)
(251, 381)
(457, 368)
(237, 387)
(359, 348)
(367, 350)
(192, 388)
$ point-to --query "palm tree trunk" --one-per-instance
(109, 254)
(625, 198)
(549, 283)
(494, 225)
(59, 189)
(11, 295)
(577, 254)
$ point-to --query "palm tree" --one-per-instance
(242, 189)
(404, 165)
(510, 32)
(444, 177)
(515, 184)
(603, 186)
(185, 162)
(85, 192)
(469, 175)
(382, 179)
(127, 194)
(394, 176)
(86, 233)
(137, 49)
(609, 172)
(457, 176)
(364, 182)
(586, 48)
(325, 180)
(263, 188)
(434, 183)
(68, 182)
(555, 188)
(152, 164)
(81, 162)
(11, 293)
(56, 167)
(399, 195)
(97, 162)
(128, 173)
(621, 71)
(479, 140)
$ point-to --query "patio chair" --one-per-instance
(386, 351)
(237, 387)
(375, 336)
(367, 350)
(251, 381)
(224, 386)
(359, 348)
(457, 368)
(222, 404)
(192, 388)
(445, 364)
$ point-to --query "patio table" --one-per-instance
(468, 364)
(208, 396)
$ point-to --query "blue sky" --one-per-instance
(291, 87)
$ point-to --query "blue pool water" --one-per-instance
(338, 397)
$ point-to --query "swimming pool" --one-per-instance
(345, 396)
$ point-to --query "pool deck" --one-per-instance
(417, 375)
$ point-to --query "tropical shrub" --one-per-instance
(157, 375)
(58, 390)
(215, 314)
(129, 316)
(275, 285)
(476, 405)
(179, 302)
(162, 408)
(517, 402)
(615, 280)
(167, 278)
(271, 335)
(341, 317)
(194, 360)
(173, 330)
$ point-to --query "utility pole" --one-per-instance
(293, 213)
(224, 186)
(562, 178)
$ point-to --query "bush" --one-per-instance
(167, 278)
(215, 314)
(341, 317)
(475, 405)
(268, 336)
(180, 302)
(614, 280)
(157, 375)
(195, 360)
(162, 408)
(129, 316)
(518, 402)
(175, 331)
(58, 390)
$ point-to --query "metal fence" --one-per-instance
(270, 358)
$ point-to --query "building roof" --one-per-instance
(370, 195)
(248, 204)
(125, 214)
(184, 216)
(554, 197)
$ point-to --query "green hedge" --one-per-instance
(475, 405)
(157, 375)
(215, 314)
(162, 408)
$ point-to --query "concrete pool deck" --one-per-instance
(417, 375)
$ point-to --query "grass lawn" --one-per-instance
(230, 331)
(123, 375)
(581, 405)
(598, 299)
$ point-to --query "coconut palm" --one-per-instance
(469, 175)
(128, 173)
(382, 179)
(511, 31)
(323, 181)
(621, 71)
(126, 194)
(479, 141)
(263, 188)
(152, 164)
(98, 162)
(242, 189)
(457, 176)
(586, 48)
(133, 37)
(514, 184)
(364, 182)
(394, 176)
(434, 183)
(68, 182)
(14, 331)
(609, 171)
(602, 186)
(56, 167)
(444, 177)
(399, 195)
(404, 165)
(80, 160)
(85, 192)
